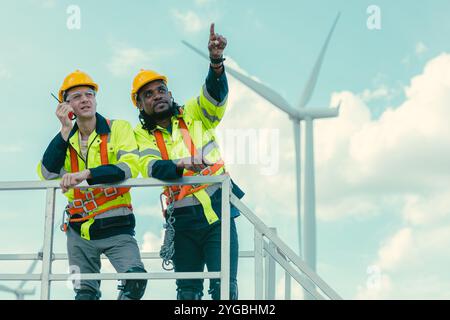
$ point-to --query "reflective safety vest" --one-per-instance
(200, 116)
(86, 202)
(112, 143)
(177, 193)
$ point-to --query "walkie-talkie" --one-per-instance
(71, 115)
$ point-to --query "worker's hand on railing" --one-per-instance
(62, 112)
(216, 44)
(70, 180)
(196, 163)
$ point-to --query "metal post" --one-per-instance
(48, 244)
(287, 278)
(310, 200)
(270, 271)
(292, 257)
(298, 175)
(287, 285)
(259, 269)
(225, 242)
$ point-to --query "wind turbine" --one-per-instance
(20, 292)
(297, 115)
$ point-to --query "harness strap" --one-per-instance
(179, 192)
(91, 200)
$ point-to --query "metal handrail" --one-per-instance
(46, 276)
(284, 248)
(278, 250)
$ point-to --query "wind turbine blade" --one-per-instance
(30, 270)
(259, 88)
(200, 52)
(339, 106)
(264, 91)
(7, 289)
(311, 84)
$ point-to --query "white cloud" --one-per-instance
(152, 242)
(421, 48)
(405, 141)
(422, 210)
(396, 249)
(152, 211)
(189, 20)
(246, 110)
(380, 289)
(403, 152)
(127, 60)
(394, 165)
(382, 92)
(11, 148)
(392, 256)
(4, 72)
(411, 265)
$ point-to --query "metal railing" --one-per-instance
(267, 245)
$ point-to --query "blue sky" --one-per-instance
(381, 166)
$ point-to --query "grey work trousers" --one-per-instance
(84, 256)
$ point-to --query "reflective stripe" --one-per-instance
(149, 168)
(47, 174)
(211, 99)
(62, 172)
(123, 152)
(150, 152)
(208, 210)
(110, 128)
(125, 168)
(208, 116)
(118, 212)
(193, 201)
(210, 146)
(84, 232)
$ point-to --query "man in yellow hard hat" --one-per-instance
(96, 220)
(179, 141)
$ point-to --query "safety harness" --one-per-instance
(86, 202)
(176, 193)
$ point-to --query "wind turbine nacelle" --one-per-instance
(316, 113)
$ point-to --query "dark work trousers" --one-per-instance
(196, 247)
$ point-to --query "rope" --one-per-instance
(168, 248)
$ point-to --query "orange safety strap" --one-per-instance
(104, 149)
(161, 145)
(181, 192)
(189, 189)
(99, 212)
(106, 194)
(187, 137)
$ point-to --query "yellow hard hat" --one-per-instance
(141, 79)
(75, 79)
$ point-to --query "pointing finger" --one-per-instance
(211, 31)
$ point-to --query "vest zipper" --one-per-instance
(87, 152)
